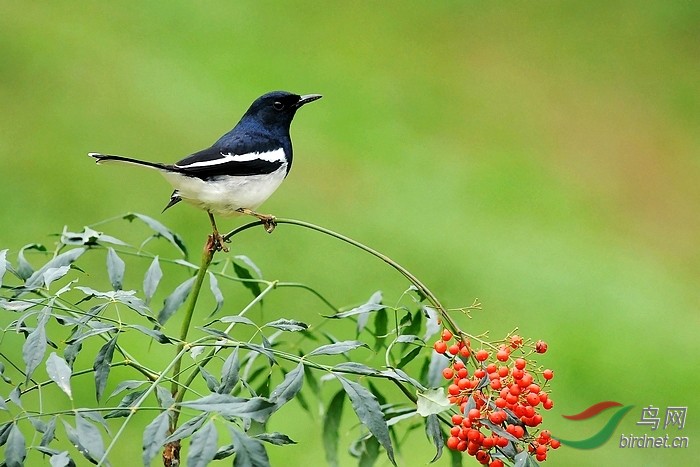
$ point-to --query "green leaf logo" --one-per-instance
(605, 433)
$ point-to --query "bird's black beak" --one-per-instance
(306, 99)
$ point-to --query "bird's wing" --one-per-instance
(232, 161)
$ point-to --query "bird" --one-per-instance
(237, 173)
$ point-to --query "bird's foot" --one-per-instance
(268, 221)
(215, 242)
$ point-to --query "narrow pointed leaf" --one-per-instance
(381, 325)
(434, 433)
(15, 448)
(175, 300)
(34, 346)
(37, 280)
(187, 428)
(244, 273)
(154, 333)
(151, 280)
(115, 269)
(160, 230)
(369, 412)
(212, 383)
(369, 453)
(432, 322)
(375, 299)
(49, 432)
(102, 365)
(154, 436)
(337, 348)
(59, 371)
(331, 425)
(278, 439)
(408, 357)
(256, 408)
(62, 459)
(89, 436)
(229, 373)
(287, 325)
(24, 269)
(250, 452)
(355, 368)
(216, 292)
(125, 405)
(203, 446)
(289, 387)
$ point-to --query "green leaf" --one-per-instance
(54, 274)
(362, 309)
(102, 365)
(229, 373)
(375, 299)
(124, 407)
(15, 449)
(331, 425)
(212, 383)
(175, 300)
(278, 439)
(160, 230)
(381, 326)
(203, 446)
(369, 412)
(115, 269)
(59, 371)
(432, 401)
(154, 333)
(216, 292)
(37, 279)
(165, 399)
(289, 387)
(151, 280)
(5, 432)
(126, 385)
(49, 432)
(70, 353)
(257, 408)
(34, 346)
(287, 325)
(337, 348)
(437, 363)
(62, 459)
(24, 269)
(154, 436)
(250, 452)
(409, 339)
(72, 434)
(244, 273)
(408, 357)
(89, 436)
(187, 428)
(434, 433)
(237, 319)
(355, 368)
(2, 374)
(369, 452)
(432, 322)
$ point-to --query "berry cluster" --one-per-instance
(502, 395)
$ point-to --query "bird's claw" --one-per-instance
(216, 242)
(269, 222)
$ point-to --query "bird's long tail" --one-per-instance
(101, 158)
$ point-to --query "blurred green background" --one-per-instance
(544, 158)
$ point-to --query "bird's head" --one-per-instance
(277, 108)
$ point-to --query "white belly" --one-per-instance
(228, 194)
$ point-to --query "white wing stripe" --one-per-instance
(270, 156)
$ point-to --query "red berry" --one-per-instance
(458, 365)
(462, 446)
(520, 363)
(480, 373)
(496, 463)
(446, 335)
(533, 399)
(491, 368)
(541, 457)
(463, 383)
(502, 355)
(452, 442)
(463, 373)
(540, 346)
(481, 355)
(483, 457)
(448, 373)
(516, 341)
(440, 347)
(548, 404)
(503, 371)
(534, 388)
(455, 430)
(474, 414)
(555, 443)
(495, 384)
(457, 419)
(453, 389)
(453, 349)
(518, 431)
(464, 351)
(548, 374)
(545, 434)
(473, 434)
(500, 402)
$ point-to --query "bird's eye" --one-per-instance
(278, 105)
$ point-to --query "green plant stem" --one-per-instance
(422, 288)
(207, 256)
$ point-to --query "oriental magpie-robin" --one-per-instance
(240, 170)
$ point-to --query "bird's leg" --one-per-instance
(268, 221)
(216, 240)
